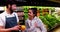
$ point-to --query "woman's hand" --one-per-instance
(35, 24)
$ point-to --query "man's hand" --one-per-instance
(16, 27)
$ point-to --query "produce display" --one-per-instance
(49, 20)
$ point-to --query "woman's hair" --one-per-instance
(34, 10)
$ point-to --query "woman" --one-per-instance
(33, 23)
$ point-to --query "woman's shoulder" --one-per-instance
(37, 18)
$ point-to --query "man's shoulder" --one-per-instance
(15, 13)
(2, 14)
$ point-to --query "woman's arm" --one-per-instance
(28, 28)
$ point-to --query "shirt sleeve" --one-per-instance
(2, 23)
(28, 28)
(42, 26)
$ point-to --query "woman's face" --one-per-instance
(30, 14)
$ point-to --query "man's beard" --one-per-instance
(11, 11)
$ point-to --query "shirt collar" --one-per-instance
(8, 14)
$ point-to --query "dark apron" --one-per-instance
(11, 22)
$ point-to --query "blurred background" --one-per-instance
(48, 11)
(53, 3)
(50, 16)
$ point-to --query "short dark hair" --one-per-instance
(10, 3)
(34, 10)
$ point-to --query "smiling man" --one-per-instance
(9, 19)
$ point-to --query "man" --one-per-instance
(9, 19)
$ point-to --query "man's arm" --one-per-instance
(2, 29)
(2, 26)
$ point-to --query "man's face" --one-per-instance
(13, 7)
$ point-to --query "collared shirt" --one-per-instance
(31, 26)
